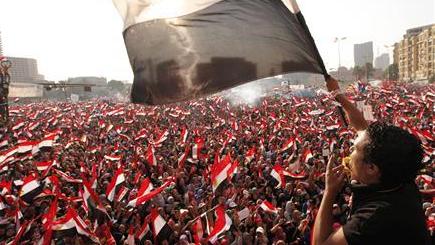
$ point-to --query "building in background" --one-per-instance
(86, 87)
(363, 54)
(382, 61)
(415, 54)
(24, 70)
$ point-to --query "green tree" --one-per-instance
(392, 72)
(358, 72)
(368, 70)
(115, 85)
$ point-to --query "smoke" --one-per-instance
(247, 94)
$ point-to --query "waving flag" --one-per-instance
(189, 48)
(306, 155)
(30, 189)
(278, 173)
(197, 147)
(115, 184)
(223, 223)
(150, 157)
(219, 172)
(144, 232)
(289, 143)
(161, 230)
(268, 207)
(72, 224)
(148, 194)
(183, 136)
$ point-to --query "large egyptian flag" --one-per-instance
(183, 49)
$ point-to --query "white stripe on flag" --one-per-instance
(159, 222)
(29, 187)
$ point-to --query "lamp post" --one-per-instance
(389, 48)
(5, 80)
(338, 40)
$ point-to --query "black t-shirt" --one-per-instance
(381, 215)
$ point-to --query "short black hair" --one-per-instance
(396, 152)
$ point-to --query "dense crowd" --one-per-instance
(89, 163)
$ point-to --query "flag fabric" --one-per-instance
(115, 184)
(66, 177)
(43, 166)
(223, 223)
(250, 155)
(183, 157)
(144, 232)
(30, 189)
(72, 224)
(113, 158)
(197, 147)
(198, 231)
(306, 155)
(150, 157)
(121, 193)
(233, 170)
(91, 202)
(268, 207)
(130, 238)
(182, 60)
(219, 172)
(278, 173)
(145, 187)
(288, 144)
(47, 221)
(47, 141)
(160, 229)
(183, 136)
(140, 199)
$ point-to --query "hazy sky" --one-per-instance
(84, 37)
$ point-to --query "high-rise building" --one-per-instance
(415, 54)
(382, 61)
(363, 54)
(24, 70)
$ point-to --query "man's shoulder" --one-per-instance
(394, 215)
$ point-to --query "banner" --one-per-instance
(184, 49)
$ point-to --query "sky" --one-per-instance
(72, 38)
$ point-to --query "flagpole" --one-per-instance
(302, 22)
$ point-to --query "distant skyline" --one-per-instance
(84, 37)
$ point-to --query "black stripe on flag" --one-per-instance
(221, 46)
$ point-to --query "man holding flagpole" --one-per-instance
(386, 203)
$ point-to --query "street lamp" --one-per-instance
(338, 40)
(389, 48)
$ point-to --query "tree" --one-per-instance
(368, 70)
(358, 72)
(392, 72)
(115, 85)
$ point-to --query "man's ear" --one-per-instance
(373, 170)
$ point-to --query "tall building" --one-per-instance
(382, 61)
(415, 54)
(24, 70)
(363, 53)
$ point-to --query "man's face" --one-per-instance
(357, 166)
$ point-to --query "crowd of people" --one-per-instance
(197, 172)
